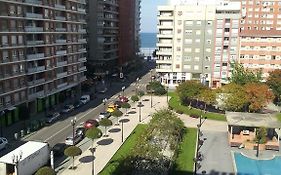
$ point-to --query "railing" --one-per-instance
(60, 18)
(82, 40)
(33, 29)
(60, 75)
(35, 42)
(62, 63)
(35, 56)
(61, 85)
(34, 15)
(33, 1)
(81, 10)
(35, 95)
(83, 59)
(36, 69)
(61, 52)
(34, 82)
(59, 6)
(82, 68)
(60, 41)
(60, 29)
(82, 30)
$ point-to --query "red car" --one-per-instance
(123, 99)
(91, 123)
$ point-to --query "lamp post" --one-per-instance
(16, 158)
(123, 90)
(167, 94)
(151, 90)
(104, 104)
(73, 122)
(137, 81)
(140, 105)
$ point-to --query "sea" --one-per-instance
(148, 43)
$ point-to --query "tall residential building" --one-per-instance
(195, 41)
(42, 53)
(112, 34)
(260, 35)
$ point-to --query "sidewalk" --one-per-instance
(107, 146)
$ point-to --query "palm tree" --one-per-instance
(106, 123)
(117, 113)
(72, 151)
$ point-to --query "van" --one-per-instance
(85, 99)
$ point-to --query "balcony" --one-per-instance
(82, 69)
(36, 69)
(61, 52)
(82, 50)
(62, 63)
(164, 52)
(35, 42)
(169, 61)
(59, 6)
(61, 85)
(81, 10)
(60, 75)
(83, 59)
(33, 29)
(34, 15)
(36, 82)
(82, 40)
(82, 30)
(33, 2)
(61, 41)
(60, 18)
(60, 29)
(35, 56)
(36, 94)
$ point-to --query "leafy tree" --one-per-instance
(126, 105)
(234, 97)
(135, 98)
(106, 123)
(156, 87)
(189, 89)
(117, 113)
(242, 76)
(274, 82)
(261, 135)
(208, 96)
(258, 96)
(93, 133)
(72, 151)
(45, 171)
(140, 93)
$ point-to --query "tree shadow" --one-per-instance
(87, 159)
(105, 141)
(114, 130)
(132, 112)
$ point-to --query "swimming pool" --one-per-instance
(247, 166)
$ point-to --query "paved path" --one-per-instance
(106, 147)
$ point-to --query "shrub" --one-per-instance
(179, 111)
(135, 98)
(141, 93)
(160, 91)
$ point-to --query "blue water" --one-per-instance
(247, 166)
(148, 40)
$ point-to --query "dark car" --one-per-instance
(52, 117)
(118, 104)
(58, 149)
(91, 123)
(67, 108)
(78, 104)
(80, 131)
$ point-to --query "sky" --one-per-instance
(149, 14)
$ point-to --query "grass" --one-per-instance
(175, 103)
(123, 151)
(184, 161)
(278, 116)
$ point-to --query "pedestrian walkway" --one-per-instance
(107, 146)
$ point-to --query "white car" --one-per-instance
(104, 115)
(3, 143)
(77, 139)
(85, 99)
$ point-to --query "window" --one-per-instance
(198, 22)
(226, 29)
(209, 23)
(197, 40)
(19, 10)
(188, 23)
(197, 50)
(196, 67)
(198, 32)
(12, 10)
(14, 40)
(4, 40)
(188, 32)
(224, 64)
(5, 55)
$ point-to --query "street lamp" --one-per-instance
(123, 89)
(151, 90)
(137, 81)
(16, 158)
(167, 94)
(73, 122)
(122, 127)
(140, 105)
(104, 104)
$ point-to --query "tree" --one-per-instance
(126, 106)
(135, 98)
(156, 87)
(258, 95)
(208, 96)
(117, 113)
(93, 133)
(72, 151)
(274, 82)
(106, 123)
(242, 76)
(261, 135)
(189, 90)
(234, 97)
(45, 171)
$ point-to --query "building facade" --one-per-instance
(195, 42)
(42, 54)
(260, 35)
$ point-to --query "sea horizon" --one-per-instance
(148, 39)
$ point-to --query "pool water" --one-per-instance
(247, 166)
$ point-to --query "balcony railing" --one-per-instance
(59, 6)
(33, 1)
(61, 52)
(34, 15)
(62, 63)
(36, 94)
(34, 42)
(60, 29)
(82, 50)
(82, 68)
(33, 29)
(83, 59)
(82, 40)
(61, 85)
(60, 18)
(35, 82)
(81, 10)
(61, 41)
(60, 75)
(36, 69)
(82, 30)
(35, 56)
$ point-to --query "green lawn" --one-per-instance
(278, 116)
(174, 102)
(184, 160)
(123, 151)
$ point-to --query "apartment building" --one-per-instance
(42, 54)
(197, 41)
(260, 35)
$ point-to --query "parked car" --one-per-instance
(103, 91)
(111, 108)
(3, 143)
(67, 108)
(104, 115)
(118, 104)
(123, 99)
(58, 149)
(78, 104)
(52, 117)
(85, 99)
(91, 123)
(80, 131)
(70, 141)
